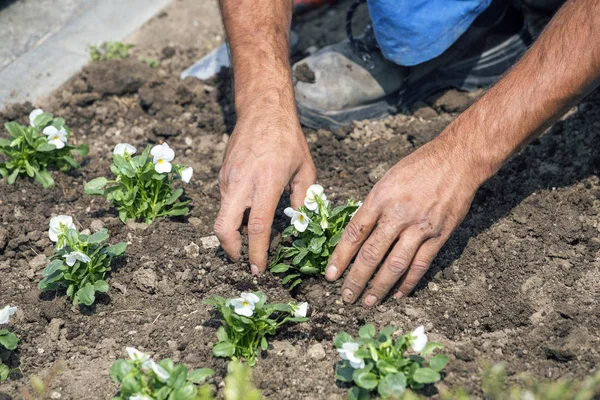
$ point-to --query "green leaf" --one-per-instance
(116, 249)
(298, 259)
(438, 362)
(101, 286)
(279, 268)
(222, 334)
(119, 370)
(14, 129)
(98, 237)
(71, 161)
(82, 150)
(367, 331)
(4, 370)
(95, 186)
(426, 375)
(334, 240)
(178, 211)
(288, 278)
(263, 343)
(392, 386)
(87, 294)
(52, 267)
(13, 177)
(200, 375)
(44, 178)
(224, 349)
(357, 393)
(343, 372)
(9, 341)
(294, 284)
(365, 379)
(430, 347)
(341, 338)
(42, 120)
(174, 196)
(185, 392)
(178, 376)
(316, 244)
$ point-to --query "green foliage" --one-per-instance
(308, 251)
(377, 363)
(244, 336)
(9, 341)
(238, 383)
(29, 152)
(143, 379)
(139, 191)
(494, 388)
(151, 62)
(86, 276)
(110, 51)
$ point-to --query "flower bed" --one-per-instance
(518, 282)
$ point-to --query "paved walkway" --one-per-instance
(45, 42)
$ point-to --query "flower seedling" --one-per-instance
(80, 262)
(8, 340)
(248, 320)
(110, 51)
(314, 233)
(141, 378)
(142, 187)
(32, 150)
(377, 362)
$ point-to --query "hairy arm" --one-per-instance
(267, 152)
(413, 210)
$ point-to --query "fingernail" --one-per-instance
(370, 300)
(331, 272)
(254, 269)
(399, 295)
(347, 295)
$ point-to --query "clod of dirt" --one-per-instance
(316, 352)
(304, 73)
(3, 238)
(136, 226)
(145, 280)
(452, 101)
(210, 242)
(420, 109)
(164, 129)
(117, 76)
(96, 225)
(378, 172)
(559, 354)
(192, 250)
(37, 262)
(167, 52)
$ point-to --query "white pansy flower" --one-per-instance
(140, 397)
(160, 372)
(6, 313)
(186, 174)
(314, 192)
(75, 256)
(324, 224)
(347, 353)
(300, 310)
(137, 355)
(124, 148)
(56, 226)
(419, 339)
(299, 219)
(56, 137)
(163, 155)
(34, 114)
(244, 305)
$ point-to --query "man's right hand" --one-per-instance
(264, 157)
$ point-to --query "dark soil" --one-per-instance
(518, 282)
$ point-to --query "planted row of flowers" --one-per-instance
(142, 189)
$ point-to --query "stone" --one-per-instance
(53, 328)
(3, 238)
(378, 172)
(316, 352)
(421, 110)
(210, 242)
(38, 262)
(96, 225)
(192, 250)
(145, 280)
(284, 348)
(195, 222)
(453, 101)
(135, 226)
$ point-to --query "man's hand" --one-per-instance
(262, 159)
(403, 223)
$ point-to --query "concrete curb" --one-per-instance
(44, 68)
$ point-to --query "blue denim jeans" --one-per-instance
(410, 32)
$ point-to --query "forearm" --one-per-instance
(258, 35)
(560, 68)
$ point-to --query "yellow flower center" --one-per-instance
(161, 161)
(245, 303)
(55, 137)
(301, 218)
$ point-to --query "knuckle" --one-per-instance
(352, 233)
(370, 253)
(420, 266)
(353, 283)
(397, 264)
(257, 225)
(220, 228)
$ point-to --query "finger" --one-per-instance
(259, 227)
(394, 266)
(419, 266)
(228, 223)
(300, 185)
(368, 259)
(357, 230)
